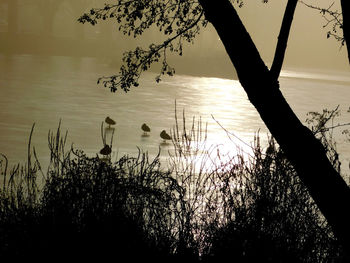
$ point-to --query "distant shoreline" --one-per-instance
(209, 64)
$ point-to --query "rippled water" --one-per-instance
(45, 90)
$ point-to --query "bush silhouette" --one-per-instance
(200, 208)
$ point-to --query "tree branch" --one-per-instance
(333, 19)
(305, 152)
(180, 20)
(140, 60)
(345, 5)
(238, 44)
(283, 39)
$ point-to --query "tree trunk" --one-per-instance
(305, 152)
(345, 5)
(283, 39)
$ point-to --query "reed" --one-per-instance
(202, 207)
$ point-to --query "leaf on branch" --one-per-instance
(179, 20)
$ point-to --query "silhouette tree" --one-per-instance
(181, 21)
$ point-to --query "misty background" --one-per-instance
(50, 27)
(49, 65)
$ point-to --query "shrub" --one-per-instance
(202, 207)
(88, 208)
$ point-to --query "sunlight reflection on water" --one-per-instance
(46, 89)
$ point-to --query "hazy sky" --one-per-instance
(308, 46)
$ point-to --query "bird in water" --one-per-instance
(145, 128)
(106, 150)
(165, 136)
(110, 121)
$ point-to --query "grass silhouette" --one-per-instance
(199, 209)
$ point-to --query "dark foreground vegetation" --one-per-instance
(203, 207)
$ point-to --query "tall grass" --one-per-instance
(201, 208)
(269, 215)
(90, 208)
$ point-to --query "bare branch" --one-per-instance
(333, 19)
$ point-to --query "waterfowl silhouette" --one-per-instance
(106, 150)
(145, 128)
(110, 122)
(165, 136)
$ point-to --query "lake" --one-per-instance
(46, 89)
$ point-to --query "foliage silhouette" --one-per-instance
(86, 208)
(184, 20)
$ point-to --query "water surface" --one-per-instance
(44, 90)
